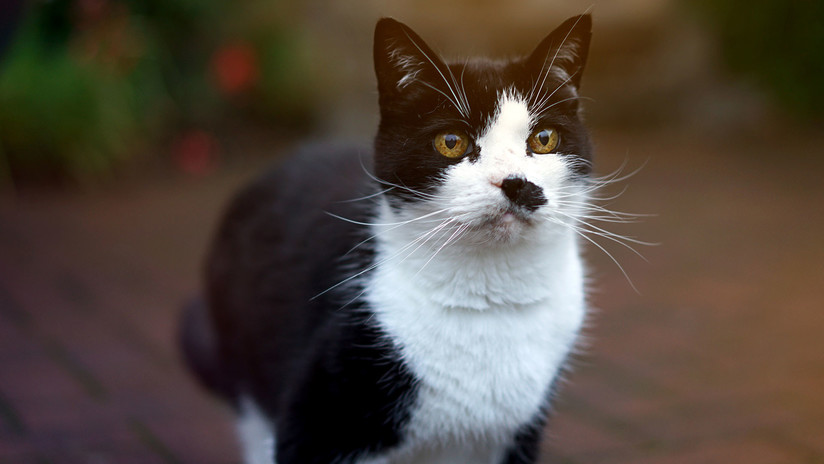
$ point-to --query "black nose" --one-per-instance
(523, 192)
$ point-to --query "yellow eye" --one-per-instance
(543, 140)
(452, 144)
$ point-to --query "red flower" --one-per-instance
(195, 152)
(235, 67)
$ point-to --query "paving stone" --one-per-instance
(751, 451)
(573, 437)
(717, 358)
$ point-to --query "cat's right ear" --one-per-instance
(564, 50)
(401, 57)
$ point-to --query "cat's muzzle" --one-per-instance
(523, 193)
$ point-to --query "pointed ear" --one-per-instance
(565, 49)
(400, 56)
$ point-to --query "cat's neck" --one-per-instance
(454, 273)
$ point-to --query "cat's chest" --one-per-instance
(479, 373)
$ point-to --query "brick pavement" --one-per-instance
(717, 359)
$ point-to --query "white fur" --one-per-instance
(257, 436)
(473, 189)
(486, 307)
(408, 64)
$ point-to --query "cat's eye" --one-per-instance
(452, 143)
(543, 140)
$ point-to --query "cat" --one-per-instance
(415, 304)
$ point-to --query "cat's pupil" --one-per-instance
(451, 141)
(543, 137)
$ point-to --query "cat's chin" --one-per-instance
(507, 227)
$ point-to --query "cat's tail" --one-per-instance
(199, 346)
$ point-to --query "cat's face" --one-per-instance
(498, 148)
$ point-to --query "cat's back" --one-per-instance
(317, 176)
(276, 249)
(286, 217)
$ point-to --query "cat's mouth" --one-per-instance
(507, 224)
(513, 216)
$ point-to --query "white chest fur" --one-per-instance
(484, 368)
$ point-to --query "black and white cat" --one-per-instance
(416, 308)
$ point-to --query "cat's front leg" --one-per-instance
(527, 443)
(347, 404)
(323, 436)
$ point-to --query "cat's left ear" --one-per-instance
(565, 49)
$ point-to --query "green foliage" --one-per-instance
(780, 44)
(63, 114)
(285, 89)
(88, 84)
(58, 115)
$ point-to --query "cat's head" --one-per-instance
(499, 146)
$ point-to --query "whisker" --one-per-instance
(600, 182)
(429, 235)
(460, 95)
(610, 219)
(455, 104)
(608, 213)
(367, 197)
(563, 42)
(545, 71)
(458, 232)
(400, 223)
(611, 257)
(593, 229)
(588, 190)
(417, 193)
(461, 109)
(546, 98)
(463, 88)
(376, 264)
(615, 176)
(544, 108)
(395, 226)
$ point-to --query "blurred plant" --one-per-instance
(87, 83)
(67, 107)
(266, 63)
(196, 152)
(779, 44)
(286, 91)
(235, 67)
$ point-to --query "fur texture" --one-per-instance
(409, 307)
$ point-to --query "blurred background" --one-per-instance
(125, 125)
(91, 87)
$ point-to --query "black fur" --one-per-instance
(413, 115)
(527, 442)
(280, 322)
(199, 345)
(329, 379)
